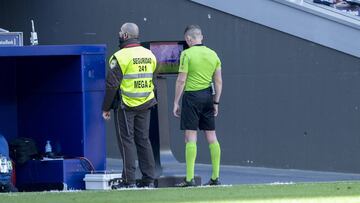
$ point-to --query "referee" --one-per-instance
(199, 66)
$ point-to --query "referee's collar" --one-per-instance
(198, 45)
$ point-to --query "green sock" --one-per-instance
(215, 153)
(190, 156)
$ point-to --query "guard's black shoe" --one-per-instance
(212, 182)
(123, 185)
(185, 183)
(145, 185)
(8, 188)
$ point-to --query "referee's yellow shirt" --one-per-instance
(200, 63)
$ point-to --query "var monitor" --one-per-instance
(167, 55)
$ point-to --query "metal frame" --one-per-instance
(17, 36)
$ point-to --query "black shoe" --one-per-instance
(123, 185)
(185, 183)
(8, 188)
(213, 182)
(145, 185)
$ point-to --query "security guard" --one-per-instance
(131, 71)
(199, 65)
(5, 167)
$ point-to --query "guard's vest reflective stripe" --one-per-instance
(137, 65)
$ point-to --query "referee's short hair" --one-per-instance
(194, 31)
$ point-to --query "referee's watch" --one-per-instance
(217, 103)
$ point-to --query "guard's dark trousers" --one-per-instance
(132, 132)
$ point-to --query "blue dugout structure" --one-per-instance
(55, 93)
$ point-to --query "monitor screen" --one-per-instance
(167, 55)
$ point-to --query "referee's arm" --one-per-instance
(218, 84)
(179, 88)
(218, 88)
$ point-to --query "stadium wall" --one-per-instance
(287, 102)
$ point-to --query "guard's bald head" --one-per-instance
(193, 31)
(131, 29)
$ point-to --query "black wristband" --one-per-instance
(217, 103)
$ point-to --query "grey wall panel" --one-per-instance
(287, 102)
(304, 20)
(4, 15)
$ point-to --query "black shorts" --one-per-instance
(197, 110)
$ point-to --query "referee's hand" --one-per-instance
(176, 110)
(216, 109)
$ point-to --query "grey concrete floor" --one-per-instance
(234, 175)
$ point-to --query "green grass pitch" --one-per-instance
(301, 192)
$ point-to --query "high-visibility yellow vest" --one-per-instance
(137, 65)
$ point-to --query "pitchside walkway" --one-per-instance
(233, 175)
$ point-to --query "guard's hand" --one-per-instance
(106, 115)
(216, 109)
(176, 110)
